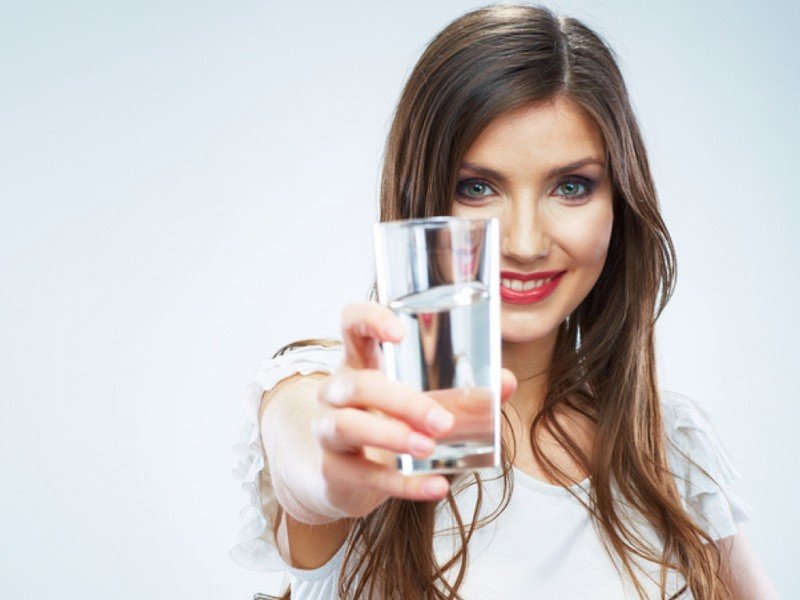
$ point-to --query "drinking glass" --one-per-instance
(441, 276)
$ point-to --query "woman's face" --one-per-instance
(541, 171)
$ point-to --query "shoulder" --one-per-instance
(704, 473)
(303, 360)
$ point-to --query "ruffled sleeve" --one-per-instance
(704, 472)
(254, 547)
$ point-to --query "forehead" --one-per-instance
(551, 132)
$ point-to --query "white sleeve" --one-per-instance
(707, 481)
(254, 547)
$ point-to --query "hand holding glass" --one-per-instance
(441, 276)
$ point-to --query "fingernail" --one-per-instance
(440, 419)
(434, 487)
(393, 328)
(339, 390)
(420, 444)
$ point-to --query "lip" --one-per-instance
(528, 276)
(534, 295)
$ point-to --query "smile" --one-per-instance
(518, 291)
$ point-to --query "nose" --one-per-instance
(524, 239)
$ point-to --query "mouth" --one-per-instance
(518, 288)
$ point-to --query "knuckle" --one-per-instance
(354, 383)
(322, 389)
(337, 389)
(339, 425)
(321, 428)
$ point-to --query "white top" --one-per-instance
(543, 544)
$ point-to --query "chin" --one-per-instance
(518, 337)
(518, 331)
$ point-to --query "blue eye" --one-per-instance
(473, 188)
(574, 187)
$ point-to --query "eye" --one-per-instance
(473, 188)
(575, 187)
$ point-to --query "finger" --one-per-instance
(508, 384)
(348, 430)
(369, 388)
(364, 326)
(348, 472)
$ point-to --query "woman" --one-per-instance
(609, 489)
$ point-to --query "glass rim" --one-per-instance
(436, 221)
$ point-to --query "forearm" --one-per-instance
(293, 455)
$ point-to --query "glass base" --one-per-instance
(451, 458)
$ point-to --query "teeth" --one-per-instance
(524, 286)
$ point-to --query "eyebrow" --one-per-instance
(562, 170)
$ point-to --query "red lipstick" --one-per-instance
(536, 294)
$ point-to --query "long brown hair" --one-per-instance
(483, 64)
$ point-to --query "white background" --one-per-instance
(184, 187)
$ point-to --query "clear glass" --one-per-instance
(441, 276)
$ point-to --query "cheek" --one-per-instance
(584, 234)
(474, 212)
